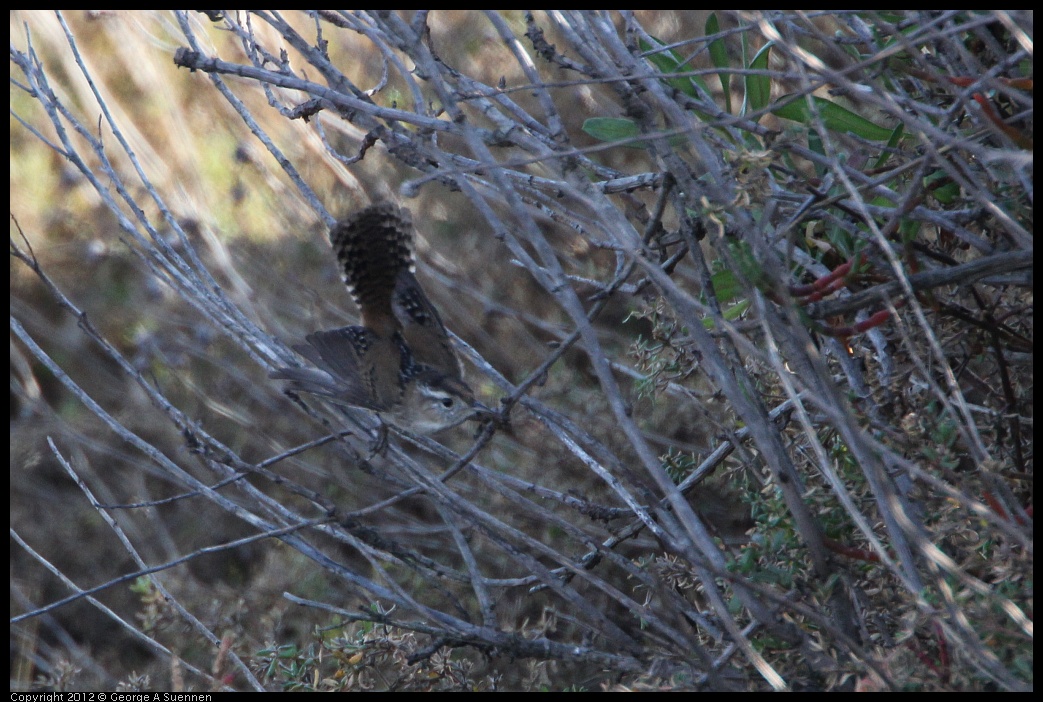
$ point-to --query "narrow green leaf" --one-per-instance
(945, 194)
(719, 57)
(725, 286)
(730, 314)
(611, 128)
(892, 142)
(836, 118)
(758, 88)
(619, 129)
(669, 62)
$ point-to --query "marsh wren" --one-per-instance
(398, 362)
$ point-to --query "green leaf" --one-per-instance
(892, 142)
(619, 129)
(726, 286)
(669, 62)
(719, 57)
(611, 128)
(909, 230)
(758, 88)
(836, 118)
(945, 194)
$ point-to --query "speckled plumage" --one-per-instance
(399, 361)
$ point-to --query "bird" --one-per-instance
(398, 362)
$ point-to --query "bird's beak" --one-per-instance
(481, 411)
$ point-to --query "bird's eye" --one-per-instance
(447, 402)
